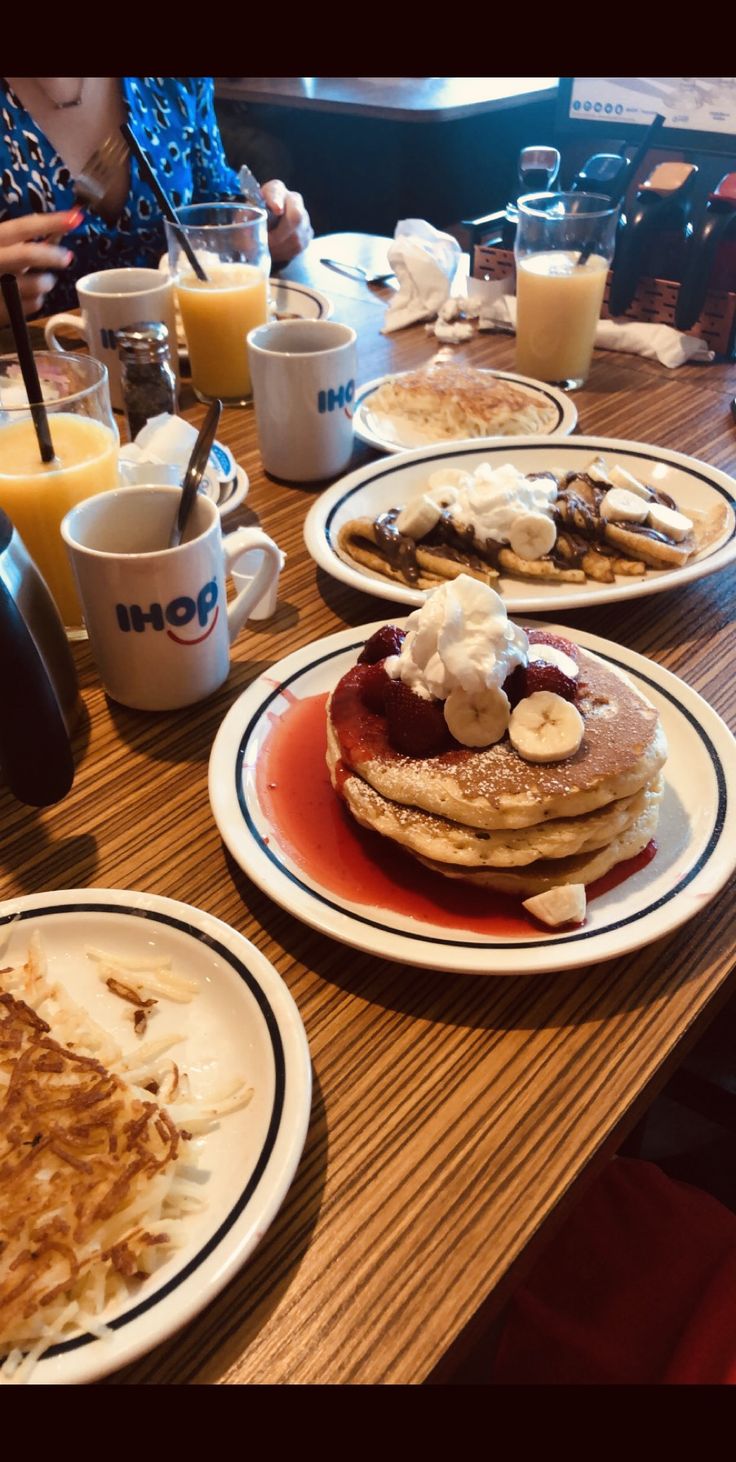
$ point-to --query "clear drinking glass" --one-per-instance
(231, 243)
(564, 245)
(36, 495)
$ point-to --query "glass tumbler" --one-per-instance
(230, 242)
(36, 495)
(564, 245)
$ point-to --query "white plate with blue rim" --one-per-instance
(696, 487)
(696, 836)
(390, 434)
(242, 1024)
(292, 301)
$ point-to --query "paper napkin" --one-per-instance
(161, 452)
(425, 262)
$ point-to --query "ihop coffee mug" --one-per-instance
(158, 621)
(110, 299)
(303, 378)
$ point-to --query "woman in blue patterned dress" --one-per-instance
(49, 129)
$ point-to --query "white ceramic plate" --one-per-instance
(696, 836)
(243, 1022)
(387, 434)
(300, 300)
(383, 485)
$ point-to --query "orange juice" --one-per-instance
(36, 495)
(217, 314)
(558, 308)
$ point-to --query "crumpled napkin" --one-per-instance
(425, 262)
(658, 342)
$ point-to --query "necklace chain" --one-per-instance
(76, 101)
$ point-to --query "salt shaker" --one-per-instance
(148, 382)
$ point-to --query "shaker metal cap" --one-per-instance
(145, 341)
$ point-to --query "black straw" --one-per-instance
(14, 306)
(164, 202)
(619, 195)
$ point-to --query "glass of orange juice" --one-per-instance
(36, 495)
(564, 245)
(231, 243)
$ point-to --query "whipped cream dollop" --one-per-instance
(461, 638)
(492, 501)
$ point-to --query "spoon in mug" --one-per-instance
(195, 472)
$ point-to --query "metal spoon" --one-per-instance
(358, 269)
(195, 471)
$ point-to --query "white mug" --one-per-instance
(303, 377)
(158, 621)
(109, 300)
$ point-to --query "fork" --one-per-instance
(100, 172)
(367, 277)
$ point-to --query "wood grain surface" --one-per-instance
(455, 1118)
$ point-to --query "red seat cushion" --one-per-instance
(638, 1288)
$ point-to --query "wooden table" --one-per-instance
(455, 1119)
(391, 98)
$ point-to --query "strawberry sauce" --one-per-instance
(350, 862)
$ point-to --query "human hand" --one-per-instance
(293, 230)
(28, 250)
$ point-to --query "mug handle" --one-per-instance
(71, 322)
(234, 546)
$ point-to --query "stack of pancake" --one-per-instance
(492, 818)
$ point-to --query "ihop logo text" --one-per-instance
(338, 400)
(186, 620)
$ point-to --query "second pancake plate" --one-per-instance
(350, 887)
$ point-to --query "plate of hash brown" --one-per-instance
(155, 1090)
(550, 544)
(452, 401)
(345, 848)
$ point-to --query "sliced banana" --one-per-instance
(562, 905)
(480, 719)
(419, 517)
(666, 520)
(621, 506)
(545, 727)
(552, 656)
(621, 478)
(598, 471)
(532, 535)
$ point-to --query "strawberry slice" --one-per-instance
(416, 727)
(373, 685)
(386, 641)
(538, 675)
